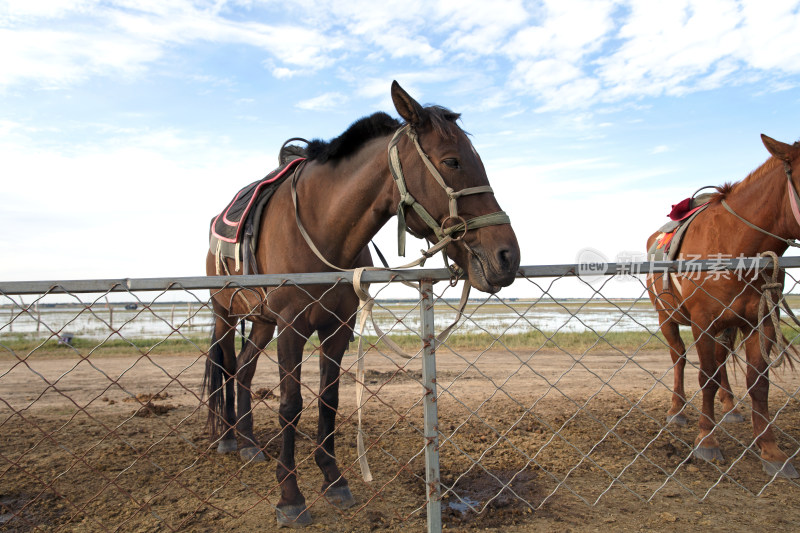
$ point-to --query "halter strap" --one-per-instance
(408, 200)
(794, 198)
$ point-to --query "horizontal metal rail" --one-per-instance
(377, 276)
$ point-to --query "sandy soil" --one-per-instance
(550, 441)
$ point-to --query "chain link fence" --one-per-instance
(533, 409)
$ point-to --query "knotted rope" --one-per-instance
(770, 305)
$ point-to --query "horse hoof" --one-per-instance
(709, 454)
(780, 469)
(253, 454)
(227, 446)
(294, 516)
(340, 497)
(732, 417)
(679, 420)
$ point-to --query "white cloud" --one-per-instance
(479, 27)
(497, 100)
(389, 29)
(402, 46)
(108, 40)
(558, 84)
(668, 46)
(779, 20)
(610, 51)
(56, 58)
(568, 31)
(20, 9)
(283, 73)
(326, 101)
(543, 75)
(684, 46)
(564, 54)
(292, 43)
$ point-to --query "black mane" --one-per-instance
(361, 131)
(376, 125)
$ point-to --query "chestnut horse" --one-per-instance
(344, 192)
(755, 216)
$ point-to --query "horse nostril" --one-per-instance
(505, 259)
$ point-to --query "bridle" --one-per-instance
(794, 202)
(407, 200)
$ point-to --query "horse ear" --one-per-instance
(409, 109)
(778, 149)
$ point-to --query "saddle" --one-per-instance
(668, 243)
(234, 231)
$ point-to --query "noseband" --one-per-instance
(407, 200)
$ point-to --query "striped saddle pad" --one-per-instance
(236, 226)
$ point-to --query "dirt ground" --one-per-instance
(543, 441)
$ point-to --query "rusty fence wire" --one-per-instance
(559, 392)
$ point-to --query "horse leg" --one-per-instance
(291, 506)
(217, 382)
(677, 350)
(259, 336)
(706, 444)
(730, 414)
(774, 460)
(334, 486)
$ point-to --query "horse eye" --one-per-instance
(451, 163)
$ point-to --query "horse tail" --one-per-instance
(788, 352)
(213, 387)
(728, 338)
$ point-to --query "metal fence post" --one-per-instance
(431, 414)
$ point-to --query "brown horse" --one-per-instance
(346, 190)
(746, 219)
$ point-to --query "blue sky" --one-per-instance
(125, 125)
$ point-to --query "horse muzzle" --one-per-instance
(494, 267)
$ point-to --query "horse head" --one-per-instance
(447, 188)
(789, 154)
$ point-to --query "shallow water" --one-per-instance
(497, 317)
(163, 320)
